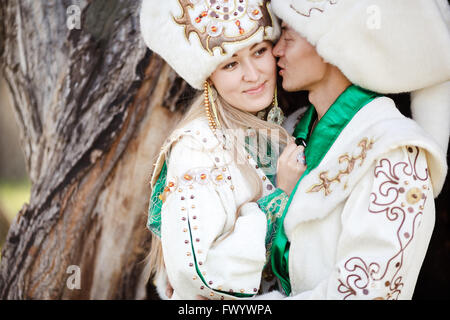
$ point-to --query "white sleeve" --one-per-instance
(387, 223)
(200, 256)
(161, 284)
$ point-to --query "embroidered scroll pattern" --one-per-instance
(273, 206)
(217, 22)
(326, 182)
(400, 198)
(306, 7)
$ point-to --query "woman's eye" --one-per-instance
(260, 51)
(229, 66)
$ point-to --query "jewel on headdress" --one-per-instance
(238, 24)
(254, 13)
(214, 29)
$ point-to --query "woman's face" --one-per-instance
(247, 80)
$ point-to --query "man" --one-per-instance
(358, 221)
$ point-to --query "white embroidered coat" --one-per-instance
(206, 188)
(360, 223)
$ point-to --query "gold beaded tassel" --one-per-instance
(207, 104)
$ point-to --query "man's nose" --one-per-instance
(277, 50)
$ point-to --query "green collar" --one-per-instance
(340, 113)
(332, 123)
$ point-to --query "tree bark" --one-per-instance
(4, 226)
(93, 105)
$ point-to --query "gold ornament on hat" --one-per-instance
(210, 107)
(307, 7)
(217, 22)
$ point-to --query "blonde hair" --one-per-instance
(229, 118)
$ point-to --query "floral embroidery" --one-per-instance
(273, 206)
(306, 7)
(326, 182)
(401, 200)
(217, 22)
(200, 176)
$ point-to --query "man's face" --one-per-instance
(301, 67)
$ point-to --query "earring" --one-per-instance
(275, 115)
(210, 107)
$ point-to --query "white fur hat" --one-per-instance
(196, 36)
(387, 46)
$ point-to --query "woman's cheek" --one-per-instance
(268, 65)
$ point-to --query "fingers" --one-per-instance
(169, 290)
(300, 157)
(296, 157)
(288, 150)
(290, 167)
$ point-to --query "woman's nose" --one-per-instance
(251, 73)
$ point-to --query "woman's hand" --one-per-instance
(290, 167)
(169, 290)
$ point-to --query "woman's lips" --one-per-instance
(257, 90)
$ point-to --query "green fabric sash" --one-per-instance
(319, 143)
(154, 210)
(273, 206)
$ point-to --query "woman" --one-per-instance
(211, 199)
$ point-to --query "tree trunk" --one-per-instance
(4, 226)
(93, 105)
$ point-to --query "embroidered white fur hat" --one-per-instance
(387, 46)
(196, 36)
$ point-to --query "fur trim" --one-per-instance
(188, 46)
(161, 285)
(273, 295)
(385, 46)
(431, 109)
